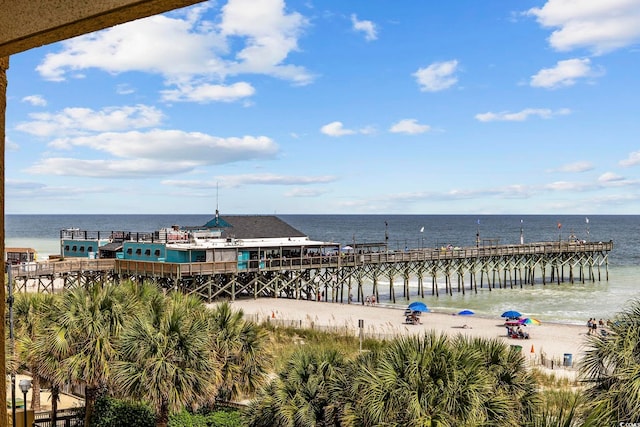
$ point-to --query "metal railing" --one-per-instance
(65, 418)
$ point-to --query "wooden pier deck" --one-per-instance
(335, 277)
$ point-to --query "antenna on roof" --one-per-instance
(217, 213)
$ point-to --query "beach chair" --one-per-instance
(412, 319)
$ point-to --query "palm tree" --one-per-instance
(433, 380)
(239, 348)
(611, 369)
(165, 356)
(78, 346)
(412, 382)
(32, 315)
(514, 398)
(301, 396)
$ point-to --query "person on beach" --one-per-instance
(589, 325)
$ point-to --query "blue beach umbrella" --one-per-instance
(418, 306)
(466, 313)
(511, 314)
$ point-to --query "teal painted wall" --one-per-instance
(177, 256)
(138, 251)
(243, 259)
(81, 248)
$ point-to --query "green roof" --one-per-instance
(217, 222)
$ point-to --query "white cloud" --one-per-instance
(610, 177)
(336, 129)
(170, 46)
(601, 26)
(576, 167)
(568, 186)
(520, 116)
(367, 130)
(247, 37)
(409, 126)
(270, 35)
(28, 190)
(174, 145)
(10, 145)
(632, 160)
(209, 92)
(565, 73)
(124, 89)
(73, 121)
(135, 168)
(273, 179)
(231, 181)
(367, 27)
(17, 186)
(37, 100)
(437, 76)
(170, 151)
(304, 192)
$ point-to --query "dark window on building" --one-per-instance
(90, 249)
(147, 252)
(66, 248)
(138, 251)
(157, 252)
(81, 248)
(75, 249)
(129, 251)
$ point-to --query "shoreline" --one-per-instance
(550, 341)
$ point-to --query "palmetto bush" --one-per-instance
(411, 381)
(611, 370)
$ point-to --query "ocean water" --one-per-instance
(569, 303)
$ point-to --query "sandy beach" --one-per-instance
(551, 340)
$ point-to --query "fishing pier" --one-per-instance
(342, 276)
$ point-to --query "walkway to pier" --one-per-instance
(336, 277)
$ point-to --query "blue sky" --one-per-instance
(336, 107)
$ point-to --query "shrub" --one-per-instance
(219, 418)
(110, 412)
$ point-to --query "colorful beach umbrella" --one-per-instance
(466, 313)
(530, 321)
(418, 306)
(511, 314)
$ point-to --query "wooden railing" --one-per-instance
(177, 270)
(56, 268)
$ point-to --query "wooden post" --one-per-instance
(4, 66)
